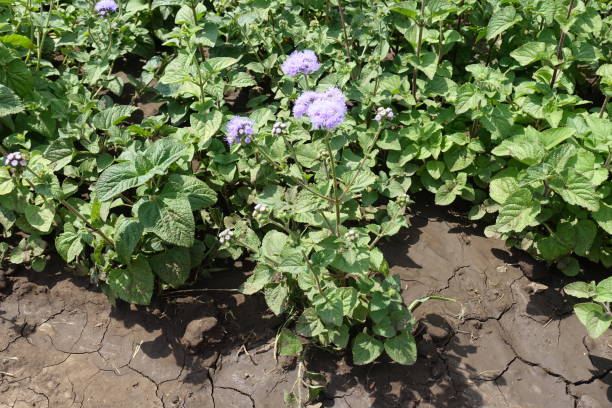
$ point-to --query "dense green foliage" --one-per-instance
(501, 102)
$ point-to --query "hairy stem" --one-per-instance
(336, 200)
(346, 40)
(418, 50)
(604, 106)
(560, 46)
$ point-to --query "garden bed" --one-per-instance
(508, 341)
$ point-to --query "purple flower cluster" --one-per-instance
(301, 62)
(382, 113)
(326, 110)
(239, 129)
(105, 7)
(15, 161)
(278, 128)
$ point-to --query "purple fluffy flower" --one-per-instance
(15, 161)
(326, 110)
(105, 7)
(301, 62)
(326, 113)
(303, 102)
(239, 129)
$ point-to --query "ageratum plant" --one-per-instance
(318, 261)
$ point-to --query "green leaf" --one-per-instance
(502, 20)
(276, 298)
(17, 40)
(261, 276)
(308, 324)
(576, 189)
(580, 289)
(518, 212)
(503, 184)
(197, 192)
(118, 178)
(10, 104)
(526, 148)
(127, 234)
(173, 266)
(68, 245)
(123, 176)
(331, 310)
(112, 116)
(552, 137)
(604, 291)
(435, 168)
(366, 349)
(468, 98)
(170, 218)
(273, 244)
(219, 63)
(40, 217)
(288, 343)
(402, 348)
(134, 284)
(529, 53)
(447, 193)
(593, 317)
(603, 216)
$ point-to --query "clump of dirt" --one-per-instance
(506, 341)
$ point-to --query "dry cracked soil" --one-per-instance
(509, 341)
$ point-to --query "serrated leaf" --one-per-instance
(468, 98)
(40, 217)
(10, 104)
(529, 53)
(402, 348)
(262, 275)
(276, 298)
(288, 343)
(576, 189)
(127, 235)
(518, 212)
(106, 119)
(170, 218)
(593, 317)
(197, 192)
(580, 289)
(603, 216)
(134, 284)
(173, 266)
(69, 245)
(366, 349)
(501, 20)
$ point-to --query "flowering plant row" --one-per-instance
(293, 133)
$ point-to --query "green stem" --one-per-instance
(418, 50)
(560, 46)
(604, 106)
(346, 40)
(336, 200)
(314, 274)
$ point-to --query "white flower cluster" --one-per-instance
(382, 113)
(259, 211)
(403, 199)
(351, 235)
(225, 235)
(278, 128)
